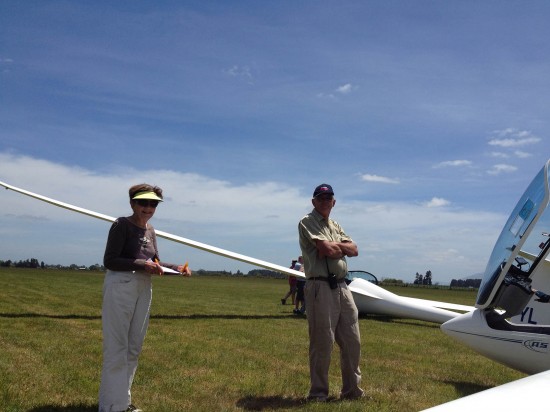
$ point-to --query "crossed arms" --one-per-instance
(336, 250)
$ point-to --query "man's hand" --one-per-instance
(336, 250)
(349, 248)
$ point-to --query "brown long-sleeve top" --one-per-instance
(130, 246)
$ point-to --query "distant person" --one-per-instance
(300, 305)
(131, 258)
(291, 285)
(331, 311)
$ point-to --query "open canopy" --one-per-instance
(519, 243)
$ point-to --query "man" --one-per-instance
(331, 312)
(300, 302)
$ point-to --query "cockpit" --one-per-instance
(518, 267)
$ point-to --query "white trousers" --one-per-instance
(125, 317)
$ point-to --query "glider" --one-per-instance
(369, 298)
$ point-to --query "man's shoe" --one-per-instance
(283, 302)
(353, 396)
(132, 408)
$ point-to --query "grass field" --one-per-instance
(217, 344)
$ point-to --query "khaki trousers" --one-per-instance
(332, 316)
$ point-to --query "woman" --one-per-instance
(131, 258)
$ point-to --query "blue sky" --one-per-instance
(429, 119)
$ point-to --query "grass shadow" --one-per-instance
(266, 403)
(159, 316)
(401, 321)
(45, 315)
(222, 316)
(467, 388)
(379, 318)
(68, 408)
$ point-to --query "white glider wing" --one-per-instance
(165, 235)
(443, 305)
(370, 298)
(527, 394)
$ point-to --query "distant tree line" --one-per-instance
(263, 273)
(29, 263)
(34, 264)
(391, 282)
(466, 283)
(425, 280)
(455, 283)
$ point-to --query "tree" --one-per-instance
(466, 283)
(428, 278)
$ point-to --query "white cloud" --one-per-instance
(326, 96)
(345, 89)
(514, 142)
(437, 202)
(240, 72)
(379, 179)
(5, 64)
(508, 138)
(342, 90)
(454, 163)
(403, 238)
(522, 155)
(501, 168)
(500, 155)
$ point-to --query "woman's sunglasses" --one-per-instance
(146, 202)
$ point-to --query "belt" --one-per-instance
(326, 279)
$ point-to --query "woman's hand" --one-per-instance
(184, 270)
(153, 268)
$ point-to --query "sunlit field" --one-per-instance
(218, 344)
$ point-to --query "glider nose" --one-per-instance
(462, 326)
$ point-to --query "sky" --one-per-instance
(428, 118)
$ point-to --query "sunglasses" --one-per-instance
(146, 202)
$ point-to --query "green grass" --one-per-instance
(218, 344)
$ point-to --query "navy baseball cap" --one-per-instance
(323, 189)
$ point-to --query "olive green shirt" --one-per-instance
(315, 227)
